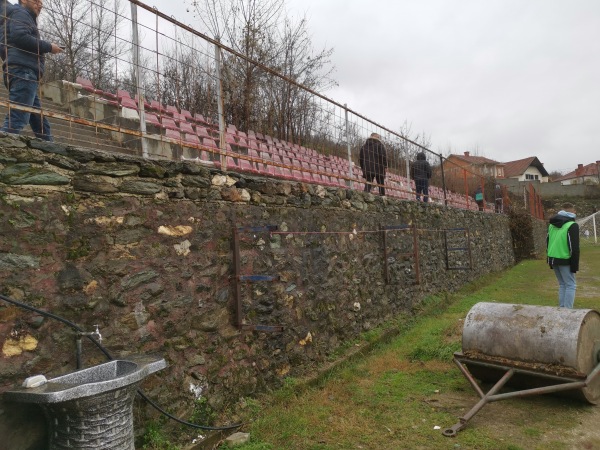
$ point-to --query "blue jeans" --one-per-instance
(422, 187)
(22, 84)
(566, 286)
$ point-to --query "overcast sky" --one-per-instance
(505, 79)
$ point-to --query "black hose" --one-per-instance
(109, 356)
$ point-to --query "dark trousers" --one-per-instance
(422, 187)
(380, 177)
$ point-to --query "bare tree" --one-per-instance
(187, 81)
(406, 150)
(256, 99)
(296, 61)
(107, 48)
(65, 21)
(89, 33)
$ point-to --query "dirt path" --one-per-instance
(528, 423)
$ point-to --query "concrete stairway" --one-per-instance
(72, 133)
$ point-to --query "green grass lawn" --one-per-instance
(395, 396)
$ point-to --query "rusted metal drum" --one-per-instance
(555, 340)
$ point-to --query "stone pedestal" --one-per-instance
(91, 408)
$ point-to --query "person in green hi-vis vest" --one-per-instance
(563, 253)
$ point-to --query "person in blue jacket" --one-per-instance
(22, 52)
(563, 253)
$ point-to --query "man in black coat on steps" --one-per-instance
(373, 162)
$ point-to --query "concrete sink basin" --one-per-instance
(91, 408)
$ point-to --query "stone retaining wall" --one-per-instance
(144, 250)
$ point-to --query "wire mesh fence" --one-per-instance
(135, 80)
(589, 228)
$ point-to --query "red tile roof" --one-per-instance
(589, 170)
(477, 160)
(518, 167)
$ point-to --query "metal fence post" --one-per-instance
(407, 166)
(222, 144)
(350, 171)
(139, 90)
(443, 179)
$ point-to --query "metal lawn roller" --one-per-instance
(533, 349)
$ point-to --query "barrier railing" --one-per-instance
(156, 87)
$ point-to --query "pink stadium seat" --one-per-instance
(202, 132)
(186, 127)
(229, 161)
(254, 154)
(242, 143)
(316, 178)
(275, 171)
(297, 175)
(200, 119)
(172, 134)
(86, 84)
(210, 143)
(121, 94)
(246, 166)
(276, 158)
(152, 119)
(172, 109)
(267, 166)
(186, 114)
(146, 103)
(191, 138)
(155, 105)
(178, 117)
(286, 173)
(230, 139)
(169, 124)
(128, 102)
(335, 181)
(205, 156)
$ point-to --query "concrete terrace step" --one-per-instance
(72, 133)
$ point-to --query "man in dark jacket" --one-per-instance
(23, 66)
(373, 162)
(420, 171)
(563, 253)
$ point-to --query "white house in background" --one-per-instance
(528, 169)
(589, 174)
